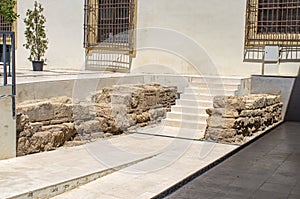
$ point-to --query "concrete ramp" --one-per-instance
(146, 158)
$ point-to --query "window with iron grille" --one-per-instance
(4, 26)
(10, 27)
(272, 22)
(109, 24)
(109, 34)
(278, 16)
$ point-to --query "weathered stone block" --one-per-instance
(224, 112)
(63, 111)
(220, 122)
(82, 112)
(272, 99)
(37, 112)
(88, 127)
(229, 102)
(53, 122)
(253, 102)
(21, 121)
(157, 113)
(121, 99)
(218, 134)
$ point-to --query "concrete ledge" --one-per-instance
(7, 125)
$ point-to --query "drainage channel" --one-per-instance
(203, 170)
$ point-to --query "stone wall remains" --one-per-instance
(236, 119)
(44, 125)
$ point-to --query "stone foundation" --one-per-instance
(235, 119)
(44, 125)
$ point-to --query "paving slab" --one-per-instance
(24, 176)
(175, 160)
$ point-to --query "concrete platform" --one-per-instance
(126, 167)
(268, 168)
(176, 160)
(138, 161)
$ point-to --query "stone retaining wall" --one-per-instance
(235, 119)
(44, 125)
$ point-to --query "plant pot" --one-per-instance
(37, 65)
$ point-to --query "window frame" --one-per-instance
(91, 30)
(255, 42)
(13, 28)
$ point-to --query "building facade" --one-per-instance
(164, 36)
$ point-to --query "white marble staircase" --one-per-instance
(187, 118)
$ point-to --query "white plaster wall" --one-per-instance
(65, 32)
(215, 26)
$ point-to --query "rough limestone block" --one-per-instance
(272, 99)
(229, 102)
(89, 127)
(253, 102)
(224, 112)
(157, 114)
(63, 111)
(252, 113)
(21, 121)
(118, 99)
(38, 112)
(144, 117)
(49, 123)
(220, 122)
(218, 134)
(82, 112)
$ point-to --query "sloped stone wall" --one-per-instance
(235, 119)
(44, 125)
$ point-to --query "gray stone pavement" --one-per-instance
(133, 166)
(268, 168)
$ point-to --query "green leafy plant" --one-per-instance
(7, 10)
(35, 33)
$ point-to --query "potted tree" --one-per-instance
(35, 33)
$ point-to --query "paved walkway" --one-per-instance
(268, 168)
(29, 76)
(136, 166)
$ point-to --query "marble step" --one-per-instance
(187, 116)
(185, 124)
(215, 79)
(212, 92)
(188, 109)
(195, 103)
(216, 86)
(205, 97)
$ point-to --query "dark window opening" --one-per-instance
(278, 16)
(113, 22)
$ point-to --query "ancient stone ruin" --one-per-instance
(235, 119)
(44, 125)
